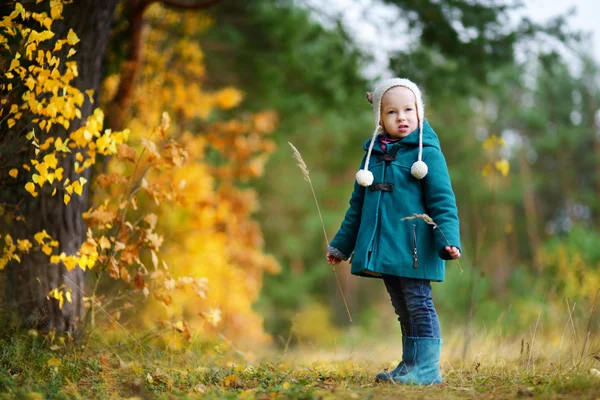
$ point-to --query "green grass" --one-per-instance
(34, 367)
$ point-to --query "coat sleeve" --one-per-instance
(344, 241)
(440, 203)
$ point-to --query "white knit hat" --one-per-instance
(419, 169)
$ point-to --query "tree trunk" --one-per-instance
(119, 107)
(530, 214)
(29, 282)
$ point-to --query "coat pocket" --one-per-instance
(414, 246)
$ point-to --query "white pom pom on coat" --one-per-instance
(364, 177)
(419, 169)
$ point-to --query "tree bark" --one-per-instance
(119, 107)
(29, 282)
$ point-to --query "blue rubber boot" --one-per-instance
(407, 363)
(426, 370)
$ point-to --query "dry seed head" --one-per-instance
(424, 217)
(301, 162)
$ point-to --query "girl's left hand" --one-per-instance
(453, 251)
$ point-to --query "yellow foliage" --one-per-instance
(198, 256)
(228, 98)
(59, 294)
(72, 38)
(313, 325)
(24, 245)
(493, 142)
(210, 265)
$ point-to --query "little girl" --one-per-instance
(403, 173)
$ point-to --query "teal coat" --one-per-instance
(373, 228)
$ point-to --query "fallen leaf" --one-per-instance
(54, 362)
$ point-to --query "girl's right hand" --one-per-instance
(332, 260)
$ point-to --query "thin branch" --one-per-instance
(188, 5)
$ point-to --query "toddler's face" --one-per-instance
(399, 112)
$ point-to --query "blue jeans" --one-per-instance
(413, 304)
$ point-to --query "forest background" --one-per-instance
(148, 191)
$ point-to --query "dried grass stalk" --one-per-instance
(302, 165)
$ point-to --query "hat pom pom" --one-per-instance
(419, 170)
(364, 177)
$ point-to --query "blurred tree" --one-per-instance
(284, 60)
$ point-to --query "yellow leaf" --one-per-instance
(59, 145)
(30, 187)
(88, 247)
(51, 160)
(55, 259)
(47, 23)
(231, 381)
(14, 64)
(56, 9)
(59, 44)
(11, 123)
(67, 199)
(228, 98)
(151, 219)
(71, 52)
(20, 10)
(24, 245)
(126, 153)
(72, 38)
(47, 250)
(13, 172)
(503, 166)
(40, 236)
(90, 93)
(54, 362)
(45, 35)
(70, 262)
(77, 188)
(104, 243)
(68, 296)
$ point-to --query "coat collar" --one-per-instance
(430, 139)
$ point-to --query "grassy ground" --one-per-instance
(36, 367)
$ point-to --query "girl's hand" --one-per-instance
(453, 251)
(332, 260)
